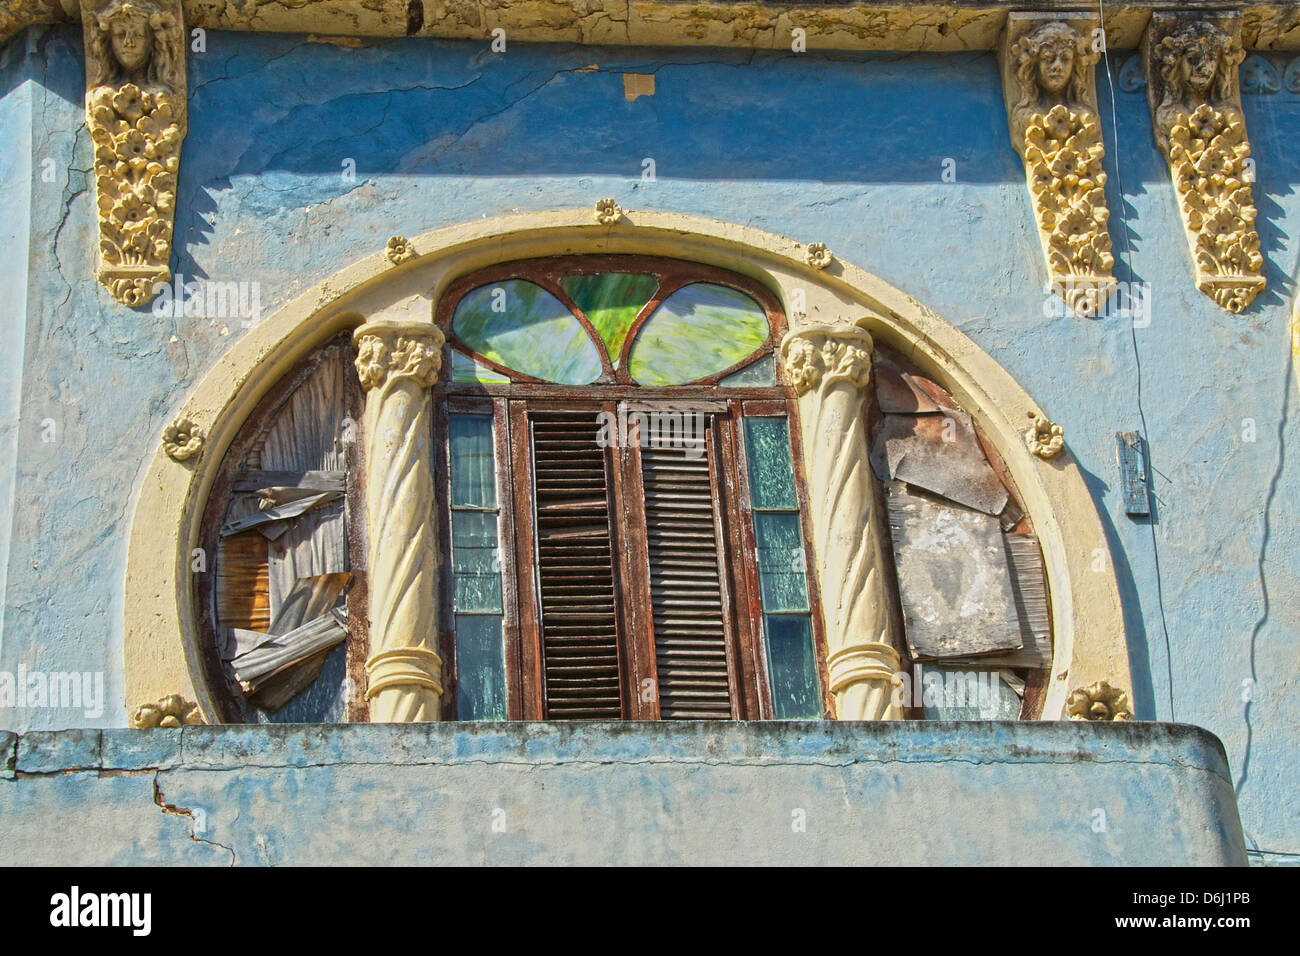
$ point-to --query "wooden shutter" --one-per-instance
(686, 594)
(575, 568)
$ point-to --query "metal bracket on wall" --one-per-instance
(1131, 452)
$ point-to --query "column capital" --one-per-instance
(822, 355)
(388, 351)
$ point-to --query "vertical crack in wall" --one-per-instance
(160, 799)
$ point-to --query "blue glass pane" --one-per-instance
(473, 464)
(781, 562)
(480, 668)
(698, 331)
(755, 374)
(955, 693)
(771, 471)
(521, 326)
(795, 693)
(476, 563)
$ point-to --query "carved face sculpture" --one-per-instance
(132, 39)
(1199, 65)
(1055, 65)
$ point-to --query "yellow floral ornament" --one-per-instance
(400, 249)
(182, 440)
(172, 711)
(1045, 439)
(818, 256)
(1098, 701)
(608, 212)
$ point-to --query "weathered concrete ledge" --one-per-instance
(658, 793)
(902, 25)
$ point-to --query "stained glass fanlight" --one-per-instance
(644, 327)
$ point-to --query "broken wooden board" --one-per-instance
(897, 391)
(941, 454)
(1029, 587)
(953, 579)
(306, 480)
(274, 521)
(283, 651)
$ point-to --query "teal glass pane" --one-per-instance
(771, 471)
(698, 331)
(795, 692)
(475, 561)
(473, 465)
(955, 693)
(781, 562)
(755, 374)
(611, 301)
(521, 326)
(465, 369)
(480, 668)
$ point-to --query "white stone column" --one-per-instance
(398, 362)
(829, 367)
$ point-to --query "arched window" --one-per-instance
(625, 535)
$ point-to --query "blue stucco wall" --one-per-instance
(788, 793)
(846, 149)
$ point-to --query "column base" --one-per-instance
(862, 678)
(404, 685)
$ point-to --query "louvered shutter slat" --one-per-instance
(575, 568)
(685, 589)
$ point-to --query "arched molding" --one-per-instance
(162, 654)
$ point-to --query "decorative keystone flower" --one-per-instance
(400, 249)
(1043, 437)
(128, 209)
(133, 148)
(818, 256)
(608, 212)
(182, 439)
(1098, 701)
(172, 711)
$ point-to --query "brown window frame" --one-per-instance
(510, 404)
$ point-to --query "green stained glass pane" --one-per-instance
(611, 301)
(771, 471)
(698, 331)
(480, 668)
(465, 369)
(762, 372)
(952, 693)
(781, 562)
(475, 561)
(795, 693)
(473, 466)
(521, 326)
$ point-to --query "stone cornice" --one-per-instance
(898, 25)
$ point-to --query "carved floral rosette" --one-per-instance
(1063, 156)
(1208, 150)
(1192, 87)
(136, 116)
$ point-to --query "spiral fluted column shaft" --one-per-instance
(829, 368)
(397, 365)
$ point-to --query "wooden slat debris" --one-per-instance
(273, 521)
(953, 579)
(941, 454)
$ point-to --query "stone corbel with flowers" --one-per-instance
(1192, 87)
(135, 110)
(1048, 80)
